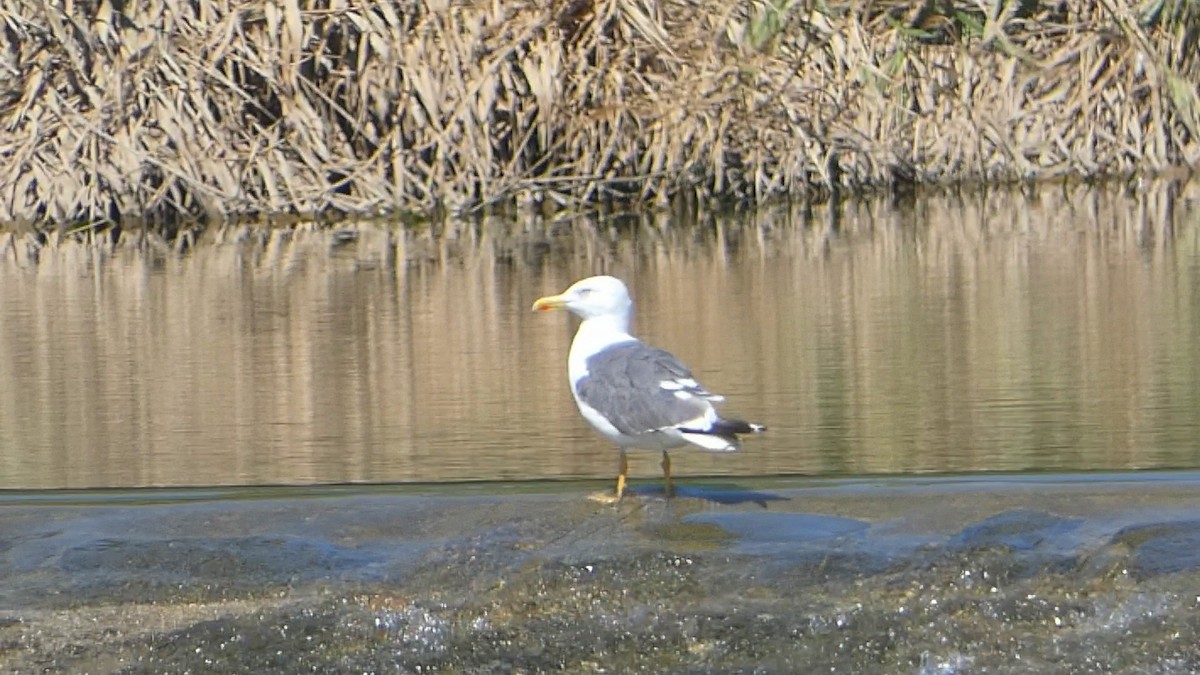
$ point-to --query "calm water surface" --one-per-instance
(1003, 333)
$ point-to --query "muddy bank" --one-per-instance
(203, 110)
(1094, 574)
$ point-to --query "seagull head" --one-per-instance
(591, 298)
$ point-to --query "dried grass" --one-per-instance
(176, 110)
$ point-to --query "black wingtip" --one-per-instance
(729, 427)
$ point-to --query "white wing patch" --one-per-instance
(686, 388)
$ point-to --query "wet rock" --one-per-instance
(194, 568)
(785, 529)
(248, 559)
(545, 584)
(688, 537)
(1161, 548)
(298, 640)
(1019, 530)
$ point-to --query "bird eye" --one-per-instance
(584, 292)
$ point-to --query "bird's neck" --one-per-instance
(593, 335)
(611, 324)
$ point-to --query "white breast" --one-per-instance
(593, 335)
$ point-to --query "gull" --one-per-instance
(636, 395)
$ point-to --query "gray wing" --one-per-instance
(639, 388)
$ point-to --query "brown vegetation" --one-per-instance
(174, 110)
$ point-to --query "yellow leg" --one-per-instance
(607, 497)
(621, 476)
(669, 487)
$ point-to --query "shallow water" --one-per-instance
(1010, 574)
(998, 333)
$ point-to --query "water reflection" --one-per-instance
(951, 334)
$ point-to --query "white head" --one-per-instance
(592, 298)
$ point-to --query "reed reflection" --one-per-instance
(997, 332)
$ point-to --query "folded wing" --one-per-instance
(641, 389)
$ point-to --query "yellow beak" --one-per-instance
(549, 302)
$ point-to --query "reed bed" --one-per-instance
(179, 111)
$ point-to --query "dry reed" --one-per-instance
(179, 110)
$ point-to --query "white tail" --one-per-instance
(712, 442)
